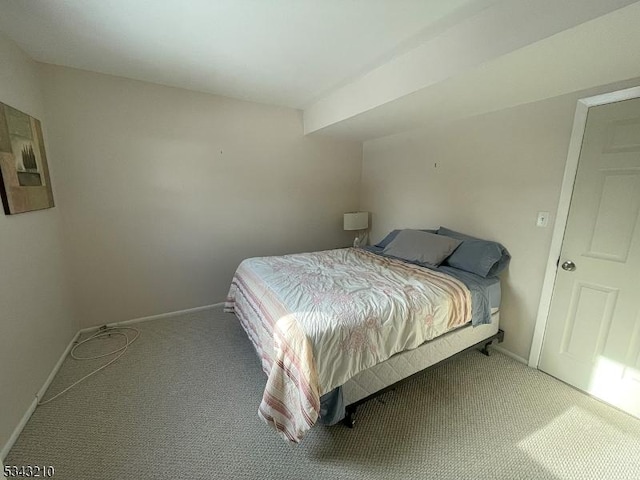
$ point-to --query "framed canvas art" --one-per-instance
(24, 174)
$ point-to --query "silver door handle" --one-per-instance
(569, 266)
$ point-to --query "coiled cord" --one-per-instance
(103, 332)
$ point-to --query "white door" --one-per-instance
(592, 339)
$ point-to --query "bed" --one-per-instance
(334, 328)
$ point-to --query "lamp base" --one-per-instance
(360, 240)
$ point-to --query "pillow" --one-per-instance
(388, 239)
(482, 257)
(421, 247)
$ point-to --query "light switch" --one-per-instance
(543, 219)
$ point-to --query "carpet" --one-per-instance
(182, 404)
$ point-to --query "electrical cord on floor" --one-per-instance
(103, 332)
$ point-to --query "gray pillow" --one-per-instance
(389, 238)
(421, 247)
(482, 257)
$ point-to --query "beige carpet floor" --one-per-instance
(182, 405)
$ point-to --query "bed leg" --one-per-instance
(349, 419)
(499, 337)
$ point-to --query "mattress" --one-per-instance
(405, 364)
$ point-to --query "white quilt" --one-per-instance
(317, 319)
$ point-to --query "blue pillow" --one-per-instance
(482, 257)
(393, 234)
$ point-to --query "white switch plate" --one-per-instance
(543, 219)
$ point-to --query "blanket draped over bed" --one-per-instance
(317, 319)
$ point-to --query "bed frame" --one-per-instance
(349, 419)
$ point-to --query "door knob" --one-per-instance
(569, 266)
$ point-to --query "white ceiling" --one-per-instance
(283, 52)
(546, 49)
(359, 69)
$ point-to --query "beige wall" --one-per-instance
(36, 320)
(165, 191)
(494, 173)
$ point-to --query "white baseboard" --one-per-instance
(57, 366)
(18, 430)
(509, 354)
(25, 418)
(154, 317)
(32, 407)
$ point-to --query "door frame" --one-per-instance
(562, 213)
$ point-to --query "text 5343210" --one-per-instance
(29, 471)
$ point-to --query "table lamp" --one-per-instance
(358, 221)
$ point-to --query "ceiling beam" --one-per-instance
(505, 27)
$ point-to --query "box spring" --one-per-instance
(409, 362)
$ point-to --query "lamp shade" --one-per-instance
(356, 221)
